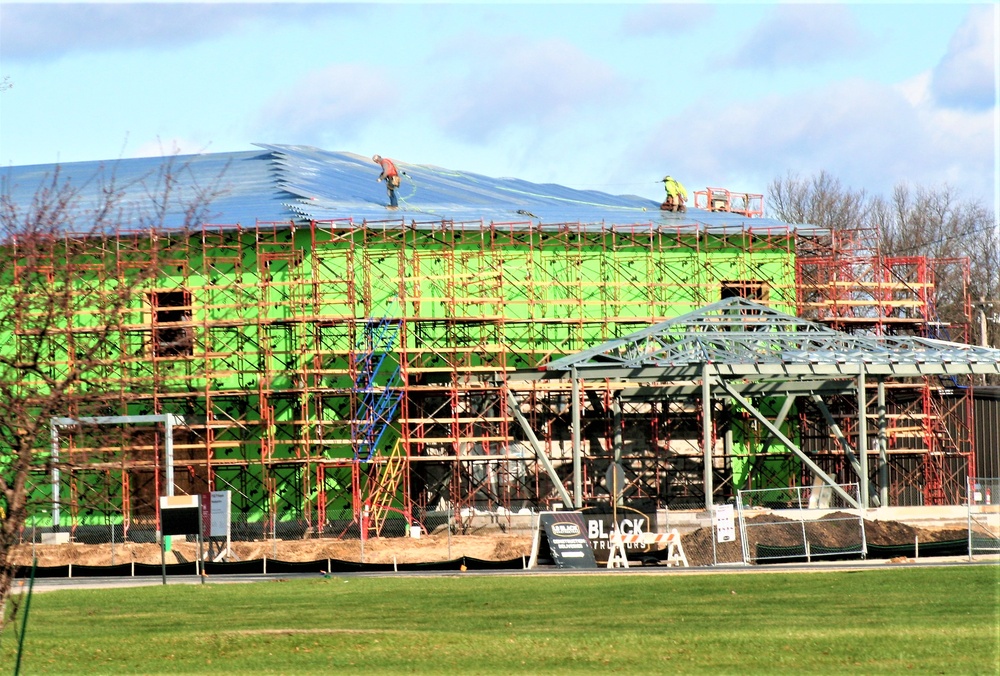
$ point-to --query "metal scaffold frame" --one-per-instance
(845, 282)
(336, 375)
(266, 339)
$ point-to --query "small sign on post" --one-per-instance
(725, 524)
(216, 510)
(615, 478)
(180, 515)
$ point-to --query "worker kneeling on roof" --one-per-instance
(676, 195)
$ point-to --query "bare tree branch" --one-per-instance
(69, 281)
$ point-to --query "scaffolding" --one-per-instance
(337, 375)
(750, 205)
(845, 282)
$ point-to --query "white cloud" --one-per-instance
(867, 134)
(52, 30)
(333, 103)
(512, 83)
(801, 35)
(917, 90)
(965, 77)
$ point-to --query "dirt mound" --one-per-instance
(836, 530)
(376, 550)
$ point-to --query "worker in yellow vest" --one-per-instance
(676, 195)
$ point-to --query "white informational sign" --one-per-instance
(725, 524)
(215, 513)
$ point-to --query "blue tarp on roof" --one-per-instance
(285, 183)
(245, 181)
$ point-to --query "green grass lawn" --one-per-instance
(917, 620)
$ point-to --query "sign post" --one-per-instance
(180, 515)
(615, 478)
(725, 529)
(216, 508)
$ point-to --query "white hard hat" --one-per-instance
(376, 158)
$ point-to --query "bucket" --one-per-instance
(415, 532)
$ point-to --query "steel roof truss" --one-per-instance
(739, 336)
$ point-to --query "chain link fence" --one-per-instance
(772, 525)
(984, 515)
(814, 522)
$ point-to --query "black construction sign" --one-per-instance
(566, 537)
(600, 524)
(180, 515)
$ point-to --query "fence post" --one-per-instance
(969, 488)
(715, 536)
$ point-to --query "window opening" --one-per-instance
(751, 289)
(172, 307)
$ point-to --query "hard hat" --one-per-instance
(376, 158)
(665, 178)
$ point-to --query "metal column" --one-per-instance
(883, 460)
(863, 439)
(168, 451)
(577, 461)
(618, 492)
(706, 433)
(54, 438)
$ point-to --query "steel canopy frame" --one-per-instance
(736, 346)
(741, 338)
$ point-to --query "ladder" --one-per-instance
(377, 404)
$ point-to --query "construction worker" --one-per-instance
(676, 195)
(391, 177)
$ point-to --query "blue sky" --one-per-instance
(603, 96)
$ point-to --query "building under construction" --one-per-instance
(336, 364)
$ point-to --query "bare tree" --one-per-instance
(820, 200)
(958, 237)
(937, 224)
(63, 303)
(984, 285)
